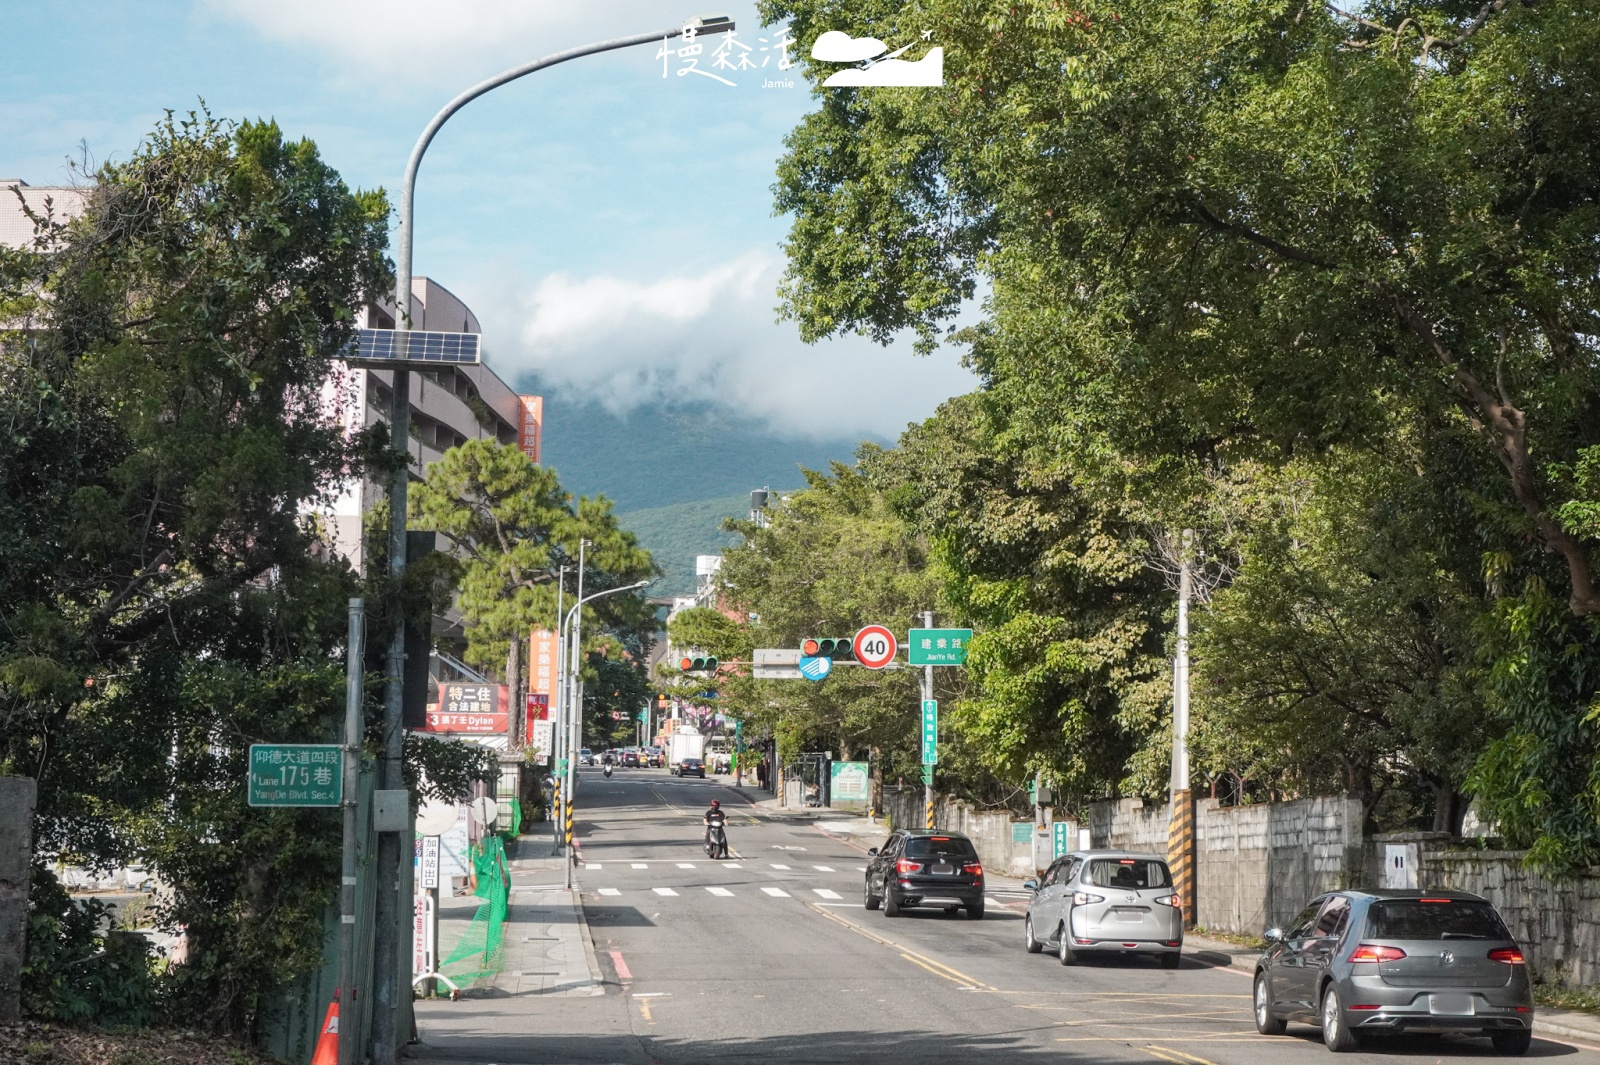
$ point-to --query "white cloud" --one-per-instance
(437, 41)
(711, 337)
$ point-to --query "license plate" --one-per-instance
(944, 870)
(1450, 1005)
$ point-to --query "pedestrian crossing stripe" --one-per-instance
(664, 891)
(720, 892)
(823, 868)
(785, 868)
(732, 865)
(685, 865)
(591, 865)
(777, 893)
(610, 891)
(825, 893)
(640, 865)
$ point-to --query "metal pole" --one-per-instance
(555, 711)
(1180, 823)
(349, 1051)
(391, 919)
(927, 693)
(574, 709)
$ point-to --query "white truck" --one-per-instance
(684, 743)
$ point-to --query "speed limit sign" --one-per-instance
(875, 647)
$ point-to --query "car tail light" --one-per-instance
(905, 865)
(1524, 1009)
(1437, 902)
(1083, 898)
(1373, 952)
(1509, 955)
(974, 868)
(1171, 900)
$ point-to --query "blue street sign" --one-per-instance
(815, 668)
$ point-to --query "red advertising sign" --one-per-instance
(530, 432)
(474, 708)
(538, 710)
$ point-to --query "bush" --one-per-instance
(77, 968)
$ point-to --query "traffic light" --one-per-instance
(839, 650)
(707, 664)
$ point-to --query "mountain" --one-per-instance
(674, 471)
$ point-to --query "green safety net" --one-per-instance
(480, 951)
(515, 828)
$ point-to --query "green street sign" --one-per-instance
(938, 647)
(296, 774)
(930, 732)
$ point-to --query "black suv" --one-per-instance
(925, 869)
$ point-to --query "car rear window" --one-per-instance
(939, 847)
(1130, 873)
(1434, 919)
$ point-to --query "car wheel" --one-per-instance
(891, 906)
(1030, 942)
(975, 910)
(1267, 1022)
(868, 899)
(1064, 949)
(1336, 1035)
(1171, 961)
(1513, 1043)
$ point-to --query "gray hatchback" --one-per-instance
(1114, 902)
(1360, 962)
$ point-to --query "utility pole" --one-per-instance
(927, 697)
(349, 1049)
(555, 712)
(574, 714)
(1180, 824)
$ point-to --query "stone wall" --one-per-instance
(1557, 922)
(989, 830)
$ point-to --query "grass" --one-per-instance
(1583, 999)
(1238, 939)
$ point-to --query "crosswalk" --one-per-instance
(601, 866)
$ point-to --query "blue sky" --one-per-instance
(612, 228)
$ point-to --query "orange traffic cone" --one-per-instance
(327, 1052)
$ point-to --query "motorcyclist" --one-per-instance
(716, 816)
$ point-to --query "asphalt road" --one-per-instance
(770, 957)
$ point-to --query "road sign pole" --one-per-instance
(349, 1048)
(927, 696)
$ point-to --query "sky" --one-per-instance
(612, 227)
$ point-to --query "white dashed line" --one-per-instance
(785, 868)
(664, 891)
(720, 892)
(685, 865)
(777, 893)
(825, 893)
(591, 865)
(640, 865)
(823, 868)
(732, 865)
(609, 891)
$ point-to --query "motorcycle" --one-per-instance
(608, 770)
(716, 842)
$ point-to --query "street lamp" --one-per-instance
(574, 708)
(390, 918)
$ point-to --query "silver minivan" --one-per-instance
(1115, 902)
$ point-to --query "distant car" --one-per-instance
(608, 758)
(1356, 963)
(655, 757)
(925, 869)
(585, 757)
(690, 767)
(1116, 902)
(630, 759)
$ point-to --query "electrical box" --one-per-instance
(391, 810)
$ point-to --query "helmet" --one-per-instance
(715, 803)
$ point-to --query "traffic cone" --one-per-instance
(327, 1052)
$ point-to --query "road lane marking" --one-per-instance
(640, 865)
(665, 891)
(610, 891)
(825, 893)
(732, 865)
(685, 865)
(720, 892)
(1176, 1055)
(953, 975)
(785, 868)
(777, 893)
(591, 865)
(621, 966)
(822, 868)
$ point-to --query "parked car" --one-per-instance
(585, 756)
(690, 767)
(1356, 963)
(925, 869)
(1115, 902)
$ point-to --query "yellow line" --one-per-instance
(1164, 1057)
(918, 962)
(935, 967)
(1185, 1057)
(644, 1008)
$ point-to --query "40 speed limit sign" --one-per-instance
(875, 647)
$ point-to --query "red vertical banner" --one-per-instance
(531, 430)
(538, 710)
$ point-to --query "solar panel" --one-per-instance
(386, 347)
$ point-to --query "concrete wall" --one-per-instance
(989, 830)
(1557, 922)
(17, 797)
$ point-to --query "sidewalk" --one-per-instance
(1582, 1028)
